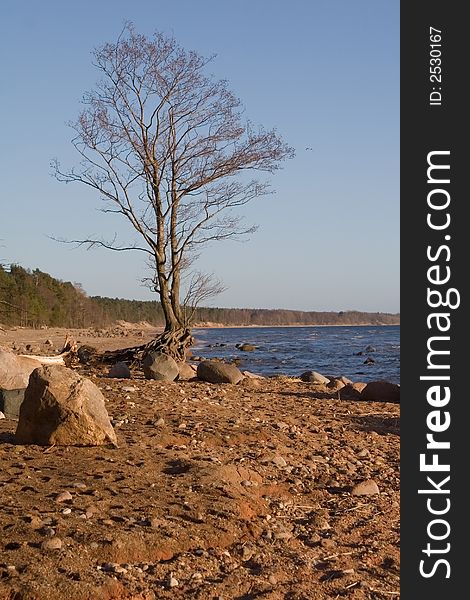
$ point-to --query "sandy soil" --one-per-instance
(215, 492)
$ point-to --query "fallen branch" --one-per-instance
(69, 349)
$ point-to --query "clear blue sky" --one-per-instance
(325, 73)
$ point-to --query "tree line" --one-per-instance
(31, 298)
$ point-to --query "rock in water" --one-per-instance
(215, 372)
(61, 407)
(162, 367)
(247, 348)
(314, 377)
(381, 391)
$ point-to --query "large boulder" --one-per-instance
(381, 391)
(61, 407)
(217, 372)
(157, 365)
(15, 370)
(314, 377)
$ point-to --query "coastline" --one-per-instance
(217, 326)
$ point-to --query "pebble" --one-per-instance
(79, 485)
(160, 422)
(129, 388)
(63, 497)
(364, 453)
(365, 488)
(66, 511)
(173, 582)
(2, 416)
(328, 543)
(53, 543)
(282, 535)
(320, 522)
(36, 522)
(279, 461)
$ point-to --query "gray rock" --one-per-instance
(365, 488)
(314, 377)
(351, 392)
(61, 407)
(11, 401)
(162, 367)
(15, 370)
(120, 370)
(186, 372)
(381, 391)
(63, 496)
(335, 384)
(215, 372)
(279, 461)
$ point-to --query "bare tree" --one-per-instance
(165, 146)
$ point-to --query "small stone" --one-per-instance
(129, 388)
(54, 543)
(36, 522)
(120, 371)
(282, 535)
(365, 488)
(160, 422)
(90, 511)
(66, 511)
(63, 497)
(120, 569)
(2, 416)
(272, 579)
(49, 531)
(173, 582)
(155, 522)
(279, 461)
(364, 453)
(319, 522)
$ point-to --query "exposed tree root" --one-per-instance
(173, 342)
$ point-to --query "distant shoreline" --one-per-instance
(217, 326)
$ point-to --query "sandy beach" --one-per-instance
(215, 492)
